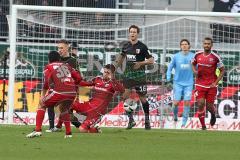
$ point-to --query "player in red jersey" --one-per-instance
(204, 65)
(103, 88)
(59, 88)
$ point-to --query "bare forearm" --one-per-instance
(194, 69)
(119, 61)
(44, 91)
(147, 61)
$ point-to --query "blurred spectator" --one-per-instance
(19, 2)
(98, 18)
(30, 29)
(4, 7)
(77, 23)
(236, 7)
(3, 26)
(222, 32)
(101, 17)
(48, 30)
(4, 11)
(40, 2)
(45, 3)
(221, 6)
(74, 49)
(92, 3)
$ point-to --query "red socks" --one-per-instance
(201, 116)
(65, 118)
(39, 119)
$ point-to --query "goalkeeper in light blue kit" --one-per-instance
(182, 80)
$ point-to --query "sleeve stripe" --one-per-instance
(216, 55)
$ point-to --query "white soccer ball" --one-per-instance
(130, 105)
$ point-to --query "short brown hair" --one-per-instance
(110, 67)
(208, 39)
(134, 26)
(185, 40)
(63, 41)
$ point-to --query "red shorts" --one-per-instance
(206, 93)
(53, 98)
(92, 112)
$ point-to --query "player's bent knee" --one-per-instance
(83, 130)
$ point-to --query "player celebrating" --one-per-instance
(137, 56)
(204, 66)
(58, 89)
(183, 85)
(104, 89)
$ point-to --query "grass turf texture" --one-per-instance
(116, 144)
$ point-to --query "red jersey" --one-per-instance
(61, 78)
(206, 67)
(103, 91)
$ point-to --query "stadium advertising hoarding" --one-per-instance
(31, 60)
(156, 122)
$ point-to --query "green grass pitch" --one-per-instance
(119, 144)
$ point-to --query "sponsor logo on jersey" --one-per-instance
(137, 51)
(185, 66)
(206, 65)
(131, 58)
(101, 89)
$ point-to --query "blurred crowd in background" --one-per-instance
(51, 32)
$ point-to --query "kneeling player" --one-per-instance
(59, 89)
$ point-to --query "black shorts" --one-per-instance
(139, 86)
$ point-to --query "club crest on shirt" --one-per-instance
(137, 51)
(211, 59)
(106, 85)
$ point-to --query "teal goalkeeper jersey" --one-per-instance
(181, 63)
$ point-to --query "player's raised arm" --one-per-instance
(121, 56)
(119, 60)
